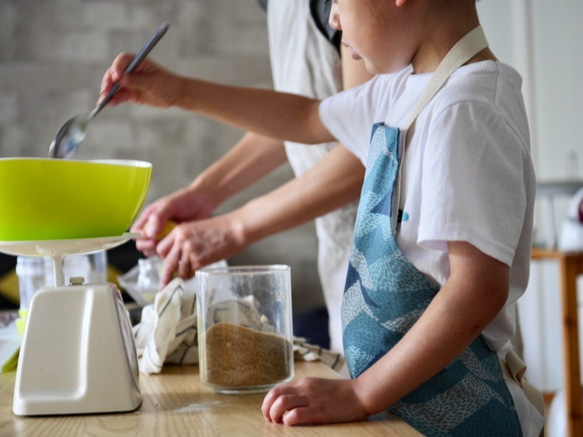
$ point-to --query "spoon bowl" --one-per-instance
(70, 136)
(72, 133)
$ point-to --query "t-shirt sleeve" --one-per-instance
(473, 182)
(349, 117)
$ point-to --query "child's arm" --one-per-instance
(266, 112)
(331, 183)
(475, 292)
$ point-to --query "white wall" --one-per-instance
(542, 40)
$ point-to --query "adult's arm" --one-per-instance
(333, 182)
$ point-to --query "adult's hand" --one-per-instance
(183, 205)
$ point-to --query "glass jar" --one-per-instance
(245, 334)
(148, 278)
(31, 274)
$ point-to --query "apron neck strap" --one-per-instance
(466, 48)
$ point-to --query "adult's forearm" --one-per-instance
(333, 182)
(253, 157)
(266, 112)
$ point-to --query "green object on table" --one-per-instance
(12, 362)
(21, 321)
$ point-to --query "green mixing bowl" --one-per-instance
(54, 199)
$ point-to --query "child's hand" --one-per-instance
(310, 401)
(149, 84)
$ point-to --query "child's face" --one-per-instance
(376, 32)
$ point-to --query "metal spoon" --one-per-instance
(72, 132)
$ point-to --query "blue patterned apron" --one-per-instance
(385, 295)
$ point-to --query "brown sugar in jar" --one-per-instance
(236, 356)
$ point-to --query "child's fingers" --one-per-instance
(272, 403)
(284, 409)
(299, 416)
(281, 407)
(114, 73)
(119, 65)
(268, 401)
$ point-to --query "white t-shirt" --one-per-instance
(467, 174)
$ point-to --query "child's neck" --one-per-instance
(431, 52)
(440, 25)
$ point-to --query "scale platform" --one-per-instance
(78, 354)
(58, 249)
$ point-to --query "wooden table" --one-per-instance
(570, 266)
(176, 403)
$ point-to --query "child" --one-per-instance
(443, 234)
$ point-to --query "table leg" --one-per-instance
(569, 271)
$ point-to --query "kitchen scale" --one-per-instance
(78, 354)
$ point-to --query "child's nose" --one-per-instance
(334, 19)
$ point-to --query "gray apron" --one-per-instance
(385, 295)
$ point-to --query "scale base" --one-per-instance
(78, 354)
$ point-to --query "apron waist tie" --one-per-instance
(514, 368)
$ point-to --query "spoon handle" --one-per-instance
(156, 36)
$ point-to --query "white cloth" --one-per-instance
(304, 62)
(467, 175)
(167, 332)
